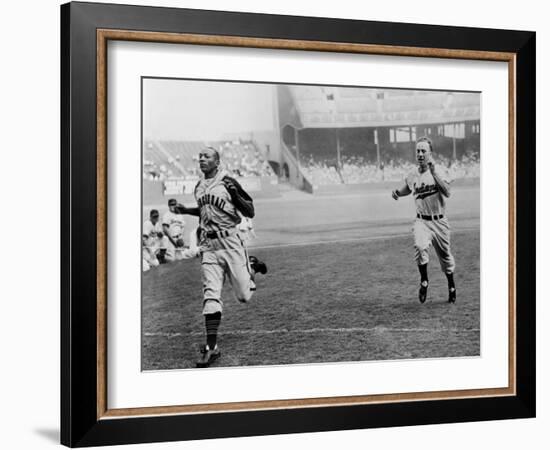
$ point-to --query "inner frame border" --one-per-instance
(105, 35)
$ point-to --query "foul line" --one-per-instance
(317, 330)
(342, 241)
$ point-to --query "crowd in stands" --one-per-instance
(465, 167)
(356, 169)
(321, 172)
(153, 172)
(242, 159)
(163, 160)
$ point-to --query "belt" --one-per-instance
(220, 234)
(434, 217)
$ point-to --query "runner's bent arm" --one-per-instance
(195, 211)
(401, 192)
(443, 185)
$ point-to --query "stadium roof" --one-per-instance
(339, 107)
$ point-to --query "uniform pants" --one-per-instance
(225, 258)
(173, 253)
(438, 234)
(149, 258)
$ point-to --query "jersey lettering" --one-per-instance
(216, 208)
(428, 198)
(424, 190)
(210, 199)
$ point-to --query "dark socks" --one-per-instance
(423, 269)
(450, 280)
(212, 323)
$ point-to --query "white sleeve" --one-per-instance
(166, 218)
(147, 227)
(189, 253)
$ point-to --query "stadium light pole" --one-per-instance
(455, 128)
(338, 149)
(277, 128)
(377, 142)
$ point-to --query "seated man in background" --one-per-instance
(173, 226)
(152, 241)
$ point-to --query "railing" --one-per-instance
(300, 180)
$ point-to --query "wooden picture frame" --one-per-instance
(86, 419)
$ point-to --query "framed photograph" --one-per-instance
(278, 224)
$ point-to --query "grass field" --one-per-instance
(339, 288)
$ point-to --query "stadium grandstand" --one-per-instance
(179, 159)
(340, 135)
(329, 136)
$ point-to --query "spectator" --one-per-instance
(354, 169)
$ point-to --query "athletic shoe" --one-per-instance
(161, 256)
(257, 265)
(208, 356)
(423, 291)
(452, 295)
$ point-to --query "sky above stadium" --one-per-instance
(204, 110)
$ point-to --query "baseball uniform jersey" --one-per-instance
(152, 232)
(176, 226)
(224, 252)
(175, 223)
(151, 244)
(431, 226)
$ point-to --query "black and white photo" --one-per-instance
(305, 224)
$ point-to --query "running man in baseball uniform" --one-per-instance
(221, 204)
(430, 186)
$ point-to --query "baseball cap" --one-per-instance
(172, 202)
(154, 213)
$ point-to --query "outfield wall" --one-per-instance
(158, 192)
(267, 187)
(378, 186)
